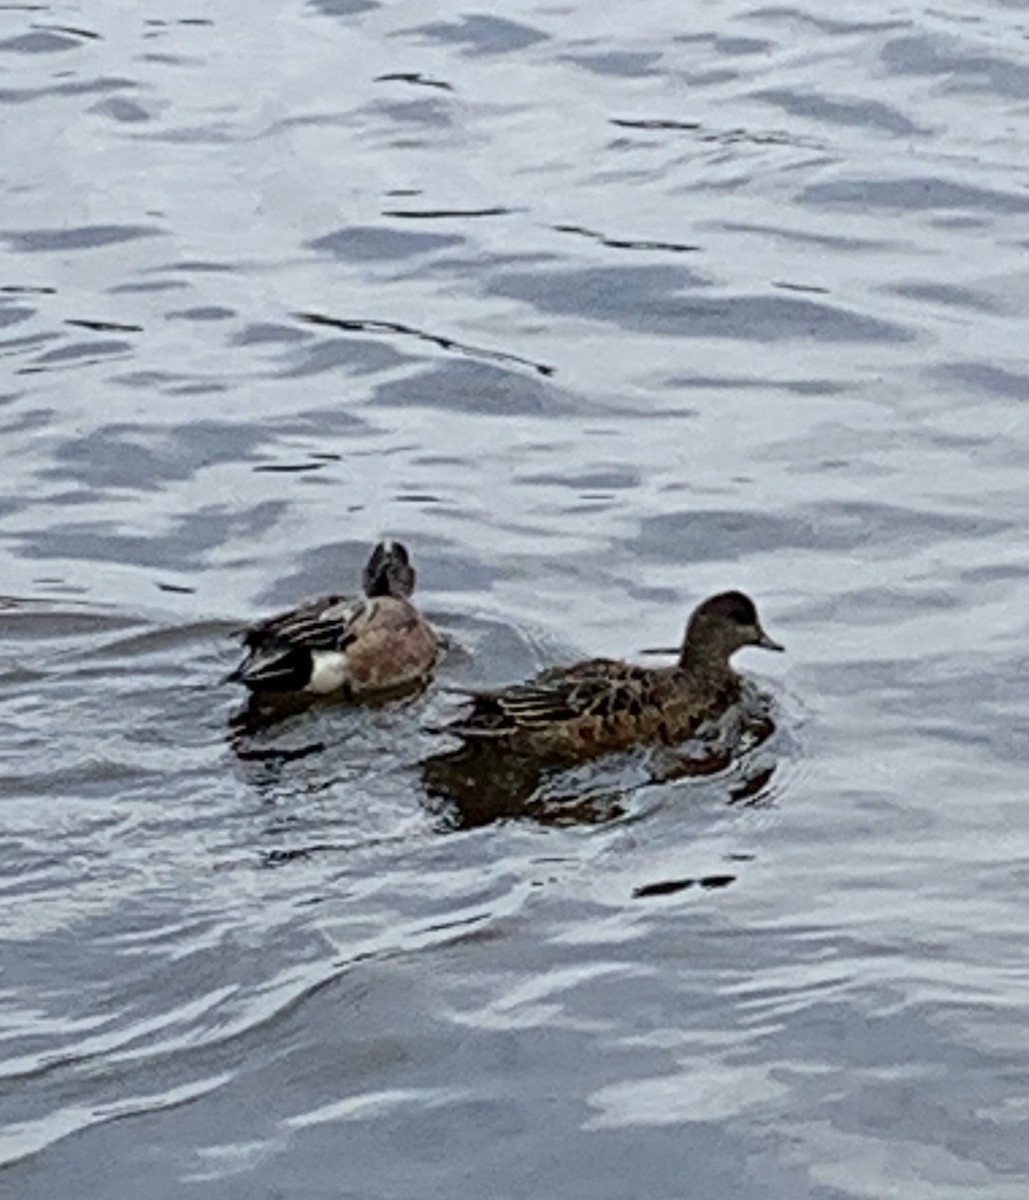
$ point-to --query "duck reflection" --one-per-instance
(477, 785)
(262, 713)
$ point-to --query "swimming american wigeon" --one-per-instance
(576, 712)
(360, 646)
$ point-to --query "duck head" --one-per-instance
(388, 571)
(723, 624)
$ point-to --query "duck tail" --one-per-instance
(271, 671)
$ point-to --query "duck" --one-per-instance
(355, 646)
(572, 713)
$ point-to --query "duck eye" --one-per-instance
(743, 613)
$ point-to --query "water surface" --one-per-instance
(601, 310)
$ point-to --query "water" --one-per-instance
(601, 309)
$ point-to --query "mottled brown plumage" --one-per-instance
(603, 704)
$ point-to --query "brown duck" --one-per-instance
(604, 704)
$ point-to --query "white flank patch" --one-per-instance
(328, 671)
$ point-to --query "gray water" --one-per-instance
(600, 308)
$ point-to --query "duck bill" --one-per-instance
(766, 643)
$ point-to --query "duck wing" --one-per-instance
(281, 649)
(321, 624)
(600, 687)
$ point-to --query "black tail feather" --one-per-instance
(288, 670)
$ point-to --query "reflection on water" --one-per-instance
(602, 310)
(476, 785)
(263, 713)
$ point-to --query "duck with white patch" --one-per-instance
(352, 646)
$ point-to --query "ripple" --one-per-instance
(182, 547)
(43, 41)
(86, 237)
(343, 8)
(474, 388)
(397, 330)
(728, 535)
(947, 295)
(989, 378)
(841, 111)
(961, 67)
(481, 34)
(649, 299)
(26, 1139)
(914, 194)
(75, 87)
(369, 243)
(415, 79)
(624, 63)
(135, 456)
